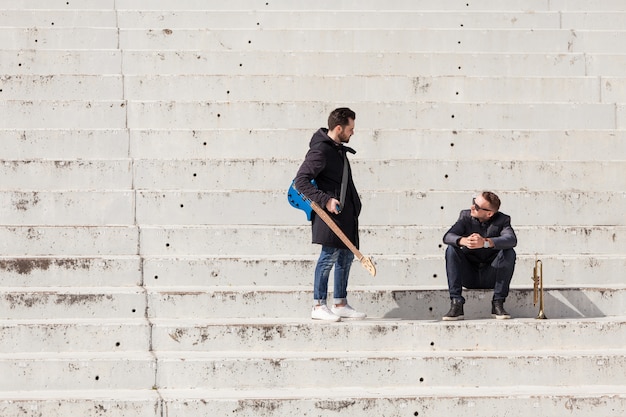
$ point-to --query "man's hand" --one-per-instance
(473, 241)
(332, 206)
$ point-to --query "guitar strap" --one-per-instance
(344, 180)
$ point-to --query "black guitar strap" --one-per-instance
(344, 180)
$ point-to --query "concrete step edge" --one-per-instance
(394, 392)
(578, 391)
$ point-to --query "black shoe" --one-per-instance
(498, 311)
(456, 311)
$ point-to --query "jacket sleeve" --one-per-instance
(313, 164)
(456, 232)
(507, 238)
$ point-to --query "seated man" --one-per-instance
(480, 254)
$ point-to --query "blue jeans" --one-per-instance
(341, 259)
(465, 271)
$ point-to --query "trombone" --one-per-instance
(538, 287)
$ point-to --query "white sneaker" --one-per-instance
(347, 312)
(322, 312)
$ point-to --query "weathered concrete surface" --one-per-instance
(251, 240)
(153, 145)
(383, 63)
(411, 271)
(102, 271)
(388, 369)
(76, 371)
(426, 336)
(273, 115)
(74, 335)
(384, 301)
(35, 241)
(67, 303)
(380, 175)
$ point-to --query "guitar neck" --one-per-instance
(324, 216)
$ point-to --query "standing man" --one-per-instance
(324, 163)
(480, 254)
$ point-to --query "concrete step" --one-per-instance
(398, 401)
(415, 17)
(61, 87)
(46, 5)
(392, 209)
(549, 41)
(72, 303)
(385, 301)
(383, 62)
(63, 145)
(52, 271)
(91, 208)
(413, 271)
(269, 335)
(43, 114)
(256, 177)
(52, 18)
(372, 369)
(490, 5)
(378, 175)
(74, 335)
(56, 175)
(366, 88)
(88, 403)
(379, 115)
(62, 38)
(519, 401)
(77, 371)
(56, 62)
(236, 241)
(72, 241)
(372, 143)
(349, 19)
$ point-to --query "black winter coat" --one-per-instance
(324, 163)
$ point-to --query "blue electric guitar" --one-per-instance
(299, 201)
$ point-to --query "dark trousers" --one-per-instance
(464, 270)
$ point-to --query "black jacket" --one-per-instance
(324, 163)
(498, 228)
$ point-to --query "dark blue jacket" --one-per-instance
(498, 228)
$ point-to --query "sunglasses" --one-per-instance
(477, 207)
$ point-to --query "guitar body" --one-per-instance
(299, 201)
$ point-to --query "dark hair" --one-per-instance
(340, 117)
(492, 199)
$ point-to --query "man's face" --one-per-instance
(481, 209)
(345, 132)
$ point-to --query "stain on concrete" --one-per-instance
(25, 266)
(339, 405)
(24, 201)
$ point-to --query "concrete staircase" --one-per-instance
(151, 265)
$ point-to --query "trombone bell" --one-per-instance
(538, 287)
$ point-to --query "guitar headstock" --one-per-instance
(369, 265)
